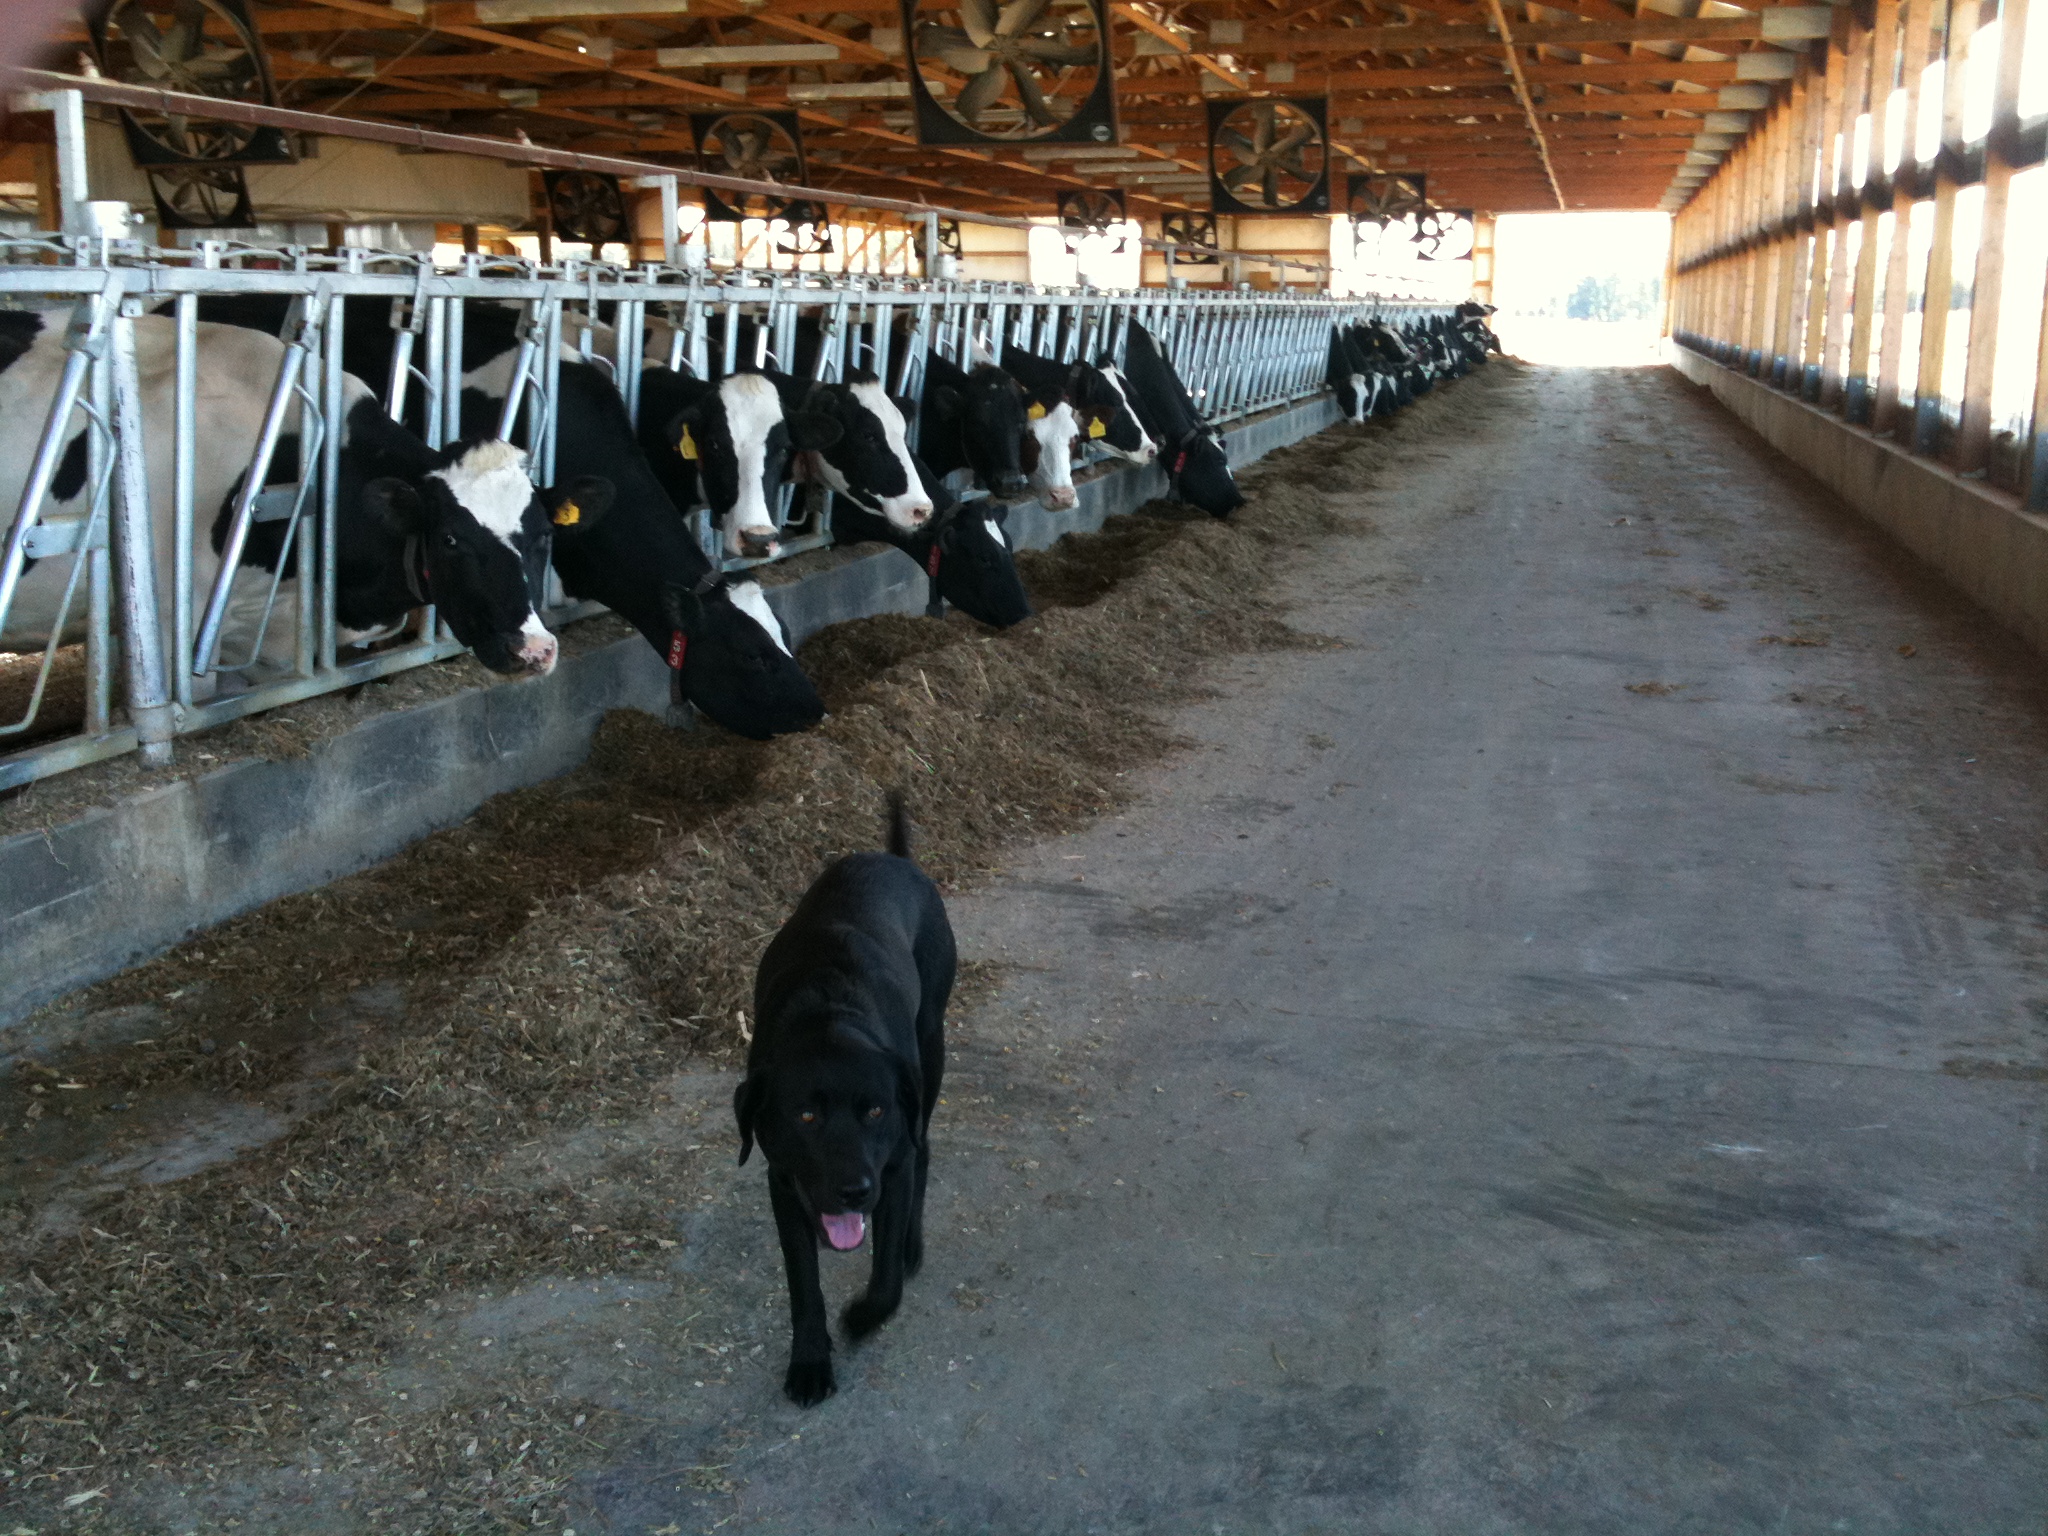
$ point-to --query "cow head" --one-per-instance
(967, 555)
(987, 409)
(1103, 402)
(870, 463)
(475, 535)
(1198, 472)
(1051, 433)
(734, 659)
(740, 440)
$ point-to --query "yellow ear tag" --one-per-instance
(688, 446)
(568, 515)
(1096, 428)
(1037, 411)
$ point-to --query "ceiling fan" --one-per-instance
(198, 48)
(754, 146)
(1268, 157)
(1005, 71)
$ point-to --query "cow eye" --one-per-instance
(809, 1117)
(875, 1113)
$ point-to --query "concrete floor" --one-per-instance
(1569, 1061)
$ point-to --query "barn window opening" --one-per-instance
(1582, 289)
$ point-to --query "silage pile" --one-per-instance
(194, 1319)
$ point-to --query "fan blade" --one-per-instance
(1237, 176)
(1263, 129)
(1053, 52)
(1271, 187)
(979, 18)
(187, 34)
(967, 61)
(1034, 98)
(1296, 136)
(980, 93)
(1018, 16)
(144, 41)
(1237, 144)
(932, 41)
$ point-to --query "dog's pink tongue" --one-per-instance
(844, 1232)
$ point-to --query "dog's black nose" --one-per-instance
(854, 1194)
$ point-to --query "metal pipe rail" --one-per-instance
(201, 654)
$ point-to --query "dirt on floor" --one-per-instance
(291, 1134)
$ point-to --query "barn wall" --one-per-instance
(98, 893)
(1977, 537)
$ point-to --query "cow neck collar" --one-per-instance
(1181, 449)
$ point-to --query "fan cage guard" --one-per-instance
(1380, 197)
(1093, 121)
(1190, 229)
(708, 129)
(242, 144)
(565, 185)
(1316, 199)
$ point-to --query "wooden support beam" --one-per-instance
(1514, 63)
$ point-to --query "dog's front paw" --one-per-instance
(863, 1316)
(809, 1382)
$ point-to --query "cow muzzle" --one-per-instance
(1008, 486)
(1057, 498)
(905, 512)
(536, 653)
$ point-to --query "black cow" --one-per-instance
(728, 651)
(977, 421)
(1197, 468)
(1350, 375)
(964, 552)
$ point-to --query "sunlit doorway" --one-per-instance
(1582, 289)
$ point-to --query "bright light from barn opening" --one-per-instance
(1582, 289)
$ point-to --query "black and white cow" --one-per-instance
(1350, 375)
(461, 527)
(728, 653)
(1190, 449)
(1096, 392)
(977, 420)
(869, 463)
(963, 550)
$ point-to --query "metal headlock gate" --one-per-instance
(162, 653)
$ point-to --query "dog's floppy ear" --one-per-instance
(910, 1099)
(746, 1104)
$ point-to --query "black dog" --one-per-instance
(849, 1048)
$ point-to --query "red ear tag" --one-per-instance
(931, 563)
(1180, 463)
(678, 648)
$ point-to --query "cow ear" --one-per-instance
(945, 400)
(396, 504)
(812, 431)
(1027, 452)
(580, 503)
(746, 1108)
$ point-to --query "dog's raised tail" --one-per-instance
(899, 826)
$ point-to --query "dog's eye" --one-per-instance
(875, 1113)
(809, 1117)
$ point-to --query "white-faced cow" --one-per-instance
(461, 528)
(1190, 449)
